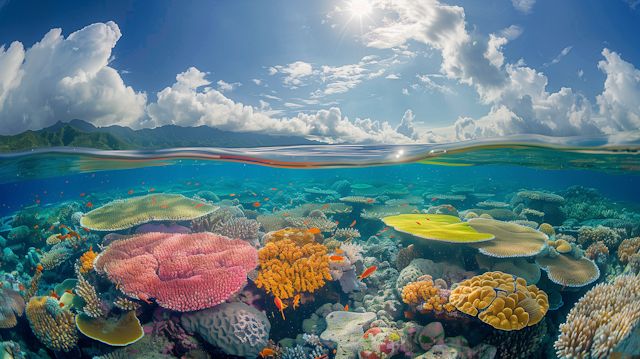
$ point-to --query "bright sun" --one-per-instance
(359, 7)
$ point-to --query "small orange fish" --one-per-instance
(257, 204)
(102, 212)
(418, 223)
(290, 184)
(410, 185)
(81, 194)
(151, 190)
(338, 250)
(337, 223)
(385, 228)
(89, 205)
(274, 189)
(406, 204)
(69, 291)
(377, 234)
(266, 352)
(280, 306)
(199, 205)
(231, 195)
(391, 236)
(53, 294)
(279, 191)
(274, 209)
(352, 224)
(188, 183)
(307, 221)
(22, 288)
(346, 307)
(39, 267)
(325, 206)
(321, 356)
(154, 201)
(433, 199)
(61, 305)
(130, 192)
(266, 199)
(368, 272)
(35, 227)
(51, 229)
(193, 202)
(369, 201)
(143, 299)
(336, 258)
(313, 230)
(286, 214)
(292, 202)
(38, 201)
(164, 206)
(296, 300)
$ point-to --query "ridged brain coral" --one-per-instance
(438, 227)
(290, 263)
(183, 272)
(600, 320)
(501, 300)
(53, 326)
(122, 214)
(511, 240)
(567, 271)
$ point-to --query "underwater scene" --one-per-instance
(488, 250)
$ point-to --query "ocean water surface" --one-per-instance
(509, 248)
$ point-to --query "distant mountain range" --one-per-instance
(79, 133)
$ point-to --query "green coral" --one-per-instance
(437, 227)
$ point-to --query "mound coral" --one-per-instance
(560, 245)
(502, 300)
(184, 272)
(130, 212)
(511, 240)
(547, 229)
(53, 326)
(568, 271)
(291, 263)
(601, 319)
(436, 227)
(627, 248)
(11, 304)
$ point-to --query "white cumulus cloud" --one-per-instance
(523, 5)
(225, 87)
(619, 102)
(65, 78)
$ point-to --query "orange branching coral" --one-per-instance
(290, 263)
(425, 295)
(627, 248)
(87, 261)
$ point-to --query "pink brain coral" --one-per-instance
(183, 272)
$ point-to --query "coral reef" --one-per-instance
(184, 272)
(92, 307)
(121, 214)
(290, 263)
(601, 319)
(627, 248)
(501, 300)
(53, 325)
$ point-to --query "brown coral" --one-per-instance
(627, 248)
(547, 229)
(596, 251)
(425, 295)
(54, 326)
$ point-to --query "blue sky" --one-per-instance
(335, 70)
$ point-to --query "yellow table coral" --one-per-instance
(291, 263)
(502, 300)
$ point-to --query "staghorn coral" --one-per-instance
(323, 224)
(600, 320)
(501, 300)
(425, 295)
(126, 304)
(87, 261)
(183, 272)
(291, 263)
(342, 234)
(92, 306)
(54, 326)
(122, 214)
(337, 208)
(627, 248)
(238, 227)
(11, 304)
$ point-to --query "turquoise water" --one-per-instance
(328, 190)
